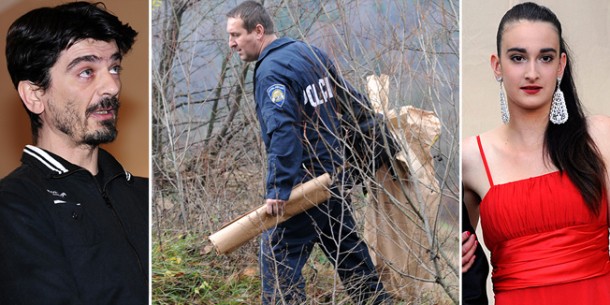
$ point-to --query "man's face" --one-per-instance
(81, 103)
(247, 45)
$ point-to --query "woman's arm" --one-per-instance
(471, 169)
(599, 129)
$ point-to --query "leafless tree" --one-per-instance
(207, 151)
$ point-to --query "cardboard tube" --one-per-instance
(239, 231)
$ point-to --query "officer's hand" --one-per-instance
(275, 207)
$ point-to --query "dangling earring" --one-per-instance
(503, 104)
(559, 111)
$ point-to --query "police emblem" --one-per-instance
(277, 94)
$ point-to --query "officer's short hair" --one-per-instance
(253, 13)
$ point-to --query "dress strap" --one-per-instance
(491, 181)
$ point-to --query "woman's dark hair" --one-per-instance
(569, 145)
(35, 41)
(253, 13)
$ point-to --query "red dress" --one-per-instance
(546, 246)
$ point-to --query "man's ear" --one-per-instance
(31, 96)
(260, 31)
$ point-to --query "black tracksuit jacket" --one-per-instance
(67, 237)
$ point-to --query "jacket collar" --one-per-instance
(55, 166)
(276, 44)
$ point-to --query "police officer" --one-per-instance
(296, 104)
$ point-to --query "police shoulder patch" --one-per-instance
(277, 94)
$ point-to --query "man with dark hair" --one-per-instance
(73, 222)
(296, 88)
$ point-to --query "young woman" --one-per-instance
(540, 181)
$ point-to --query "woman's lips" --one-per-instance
(531, 89)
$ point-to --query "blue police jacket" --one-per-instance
(295, 88)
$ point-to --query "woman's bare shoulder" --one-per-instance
(472, 163)
(474, 178)
(599, 129)
(471, 153)
(469, 144)
(598, 121)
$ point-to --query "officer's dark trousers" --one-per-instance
(286, 248)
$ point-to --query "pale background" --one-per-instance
(131, 145)
(586, 29)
